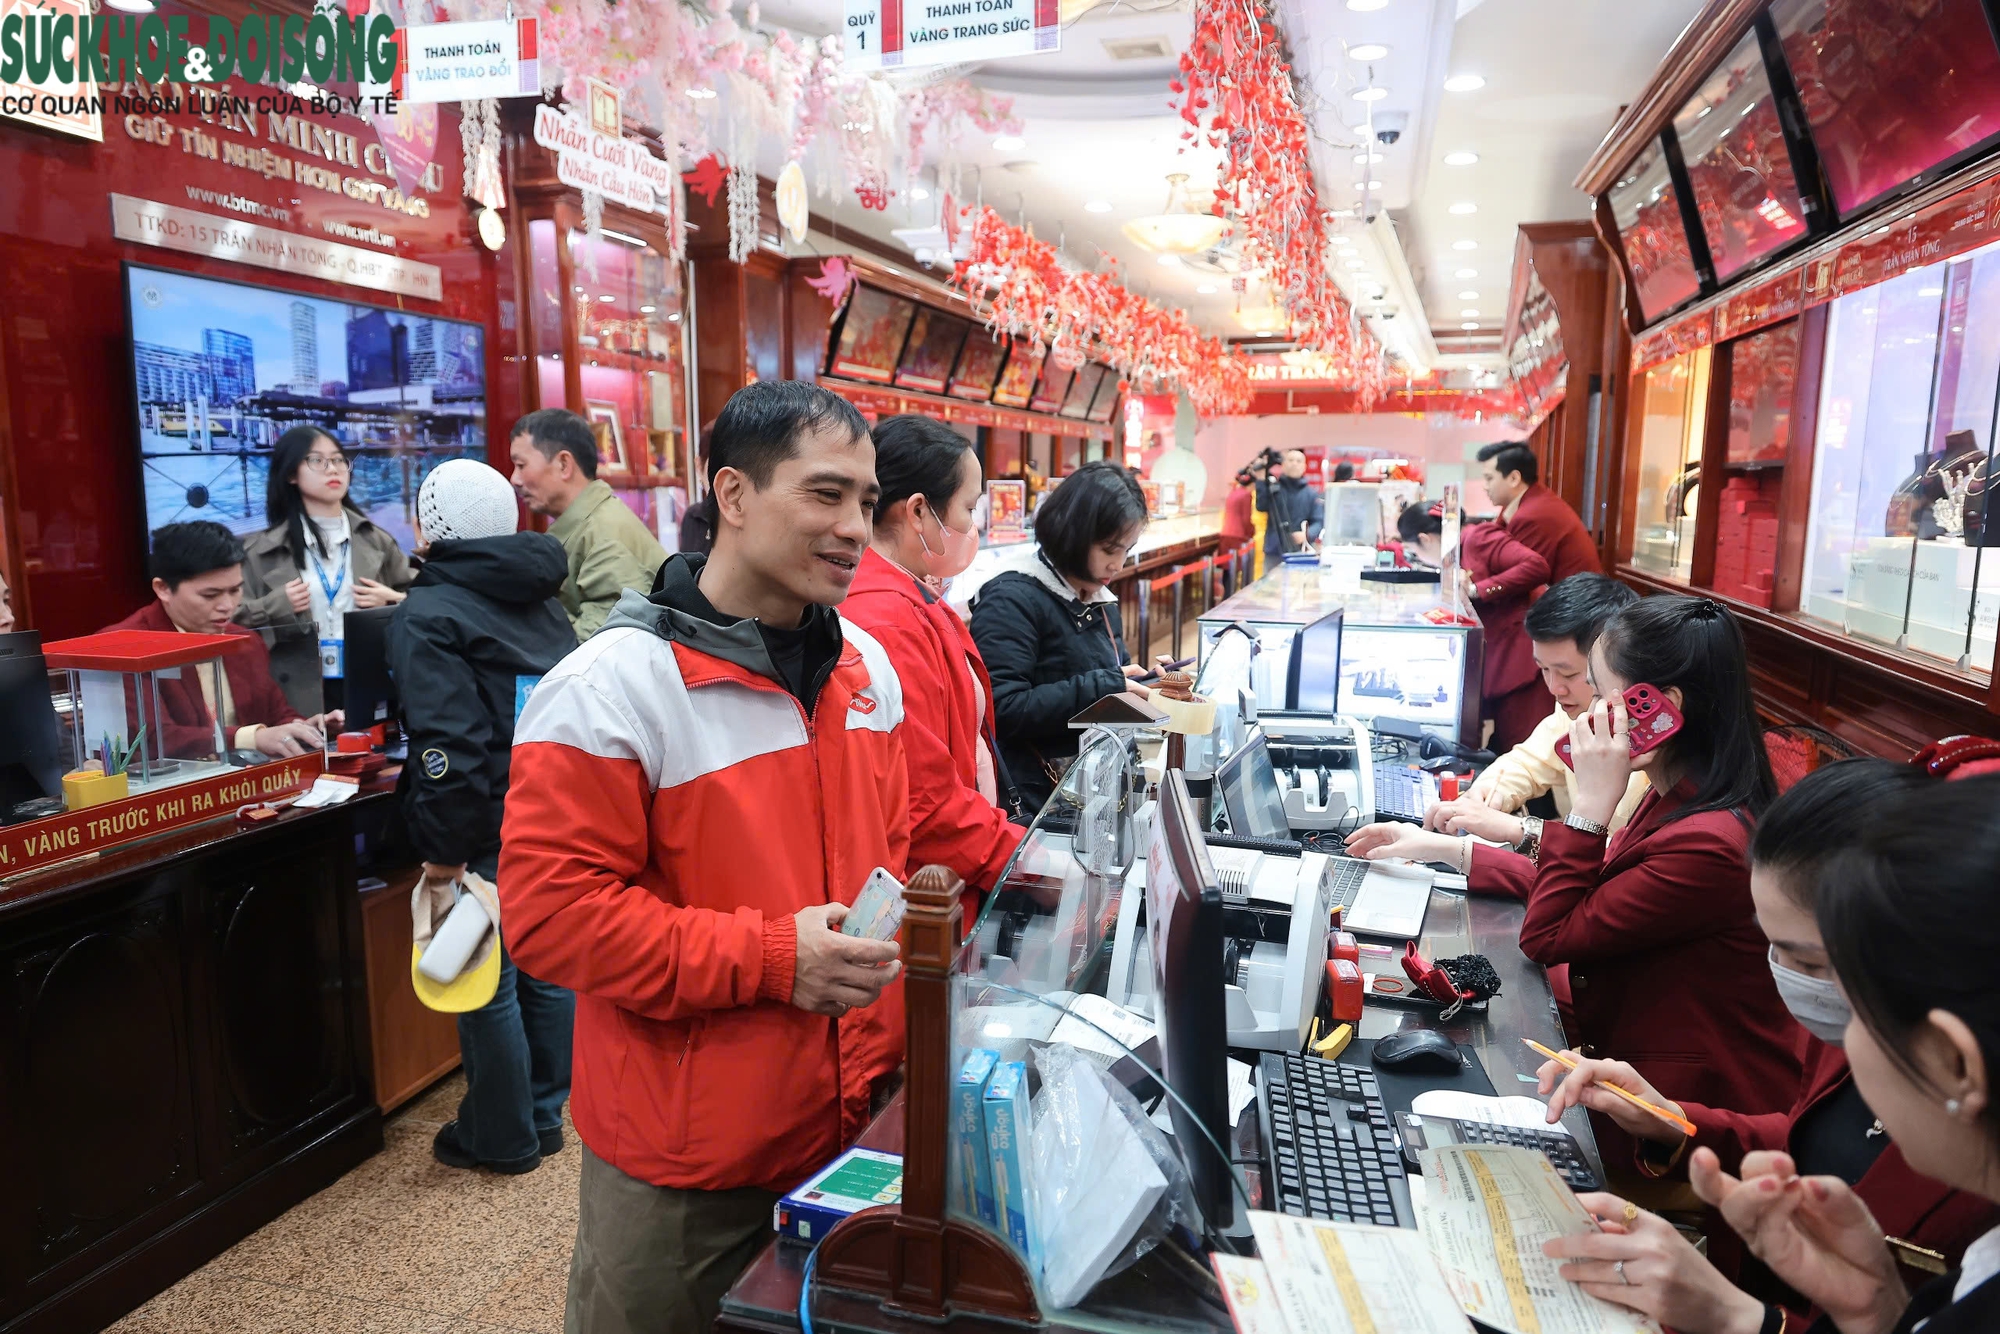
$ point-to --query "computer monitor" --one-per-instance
(1312, 680)
(31, 762)
(1184, 931)
(1250, 792)
(370, 691)
(1414, 673)
(1353, 514)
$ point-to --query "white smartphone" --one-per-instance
(877, 912)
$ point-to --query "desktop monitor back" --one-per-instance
(31, 761)
(1184, 931)
(1250, 792)
(370, 691)
(1312, 679)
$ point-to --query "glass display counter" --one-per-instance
(1902, 462)
(1672, 398)
(1403, 653)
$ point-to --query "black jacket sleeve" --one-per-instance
(1264, 494)
(448, 802)
(1011, 639)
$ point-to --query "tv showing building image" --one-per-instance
(222, 369)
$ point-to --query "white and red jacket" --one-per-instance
(672, 805)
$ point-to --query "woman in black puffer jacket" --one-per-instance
(1051, 632)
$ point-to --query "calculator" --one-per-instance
(1558, 1146)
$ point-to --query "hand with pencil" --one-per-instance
(1614, 1089)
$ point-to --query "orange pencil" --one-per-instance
(1569, 1063)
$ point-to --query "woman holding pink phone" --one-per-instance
(1666, 962)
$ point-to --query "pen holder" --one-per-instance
(84, 788)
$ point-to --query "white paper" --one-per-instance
(1340, 1278)
(326, 790)
(1125, 1027)
(1486, 1211)
(1482, 1109)
(1246, 1286)
(1242, 1089)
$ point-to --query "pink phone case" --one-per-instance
(1653, 716)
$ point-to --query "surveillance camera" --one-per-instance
(1388, 136)
(1389, 125)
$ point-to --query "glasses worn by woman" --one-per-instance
(328, 463)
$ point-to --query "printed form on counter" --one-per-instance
(1485, 1210)
(1341, 1278)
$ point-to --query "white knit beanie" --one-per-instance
(462, 499)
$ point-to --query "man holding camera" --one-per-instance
(1293, 505)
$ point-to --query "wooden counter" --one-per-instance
(185, 1054)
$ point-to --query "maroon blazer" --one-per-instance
(1544, 522)
(1506, 575)
(1909, 1207)
(190, 730)
(1666, 962)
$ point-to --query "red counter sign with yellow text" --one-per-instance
(42, 843)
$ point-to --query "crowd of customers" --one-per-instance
(679, 770)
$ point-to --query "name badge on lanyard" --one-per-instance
(332, 652)
(332, 657)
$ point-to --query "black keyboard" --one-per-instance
(1560, 1148)
(1331, 1149)
(1401, 793)
(1283, 847)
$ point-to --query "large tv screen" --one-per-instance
(978, 368)
(223, 369)
(931, 350)
(871, 337)
(1106, 401)
(1739, 168)
(1648, 212)
(1017, 381)
(1892, 97)
(1082, 389)
(1054, 386)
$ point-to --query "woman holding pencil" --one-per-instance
(1906, 920)
(1666, 963)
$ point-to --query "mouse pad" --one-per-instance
(1400, 1088)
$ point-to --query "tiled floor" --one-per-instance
(400, 1245)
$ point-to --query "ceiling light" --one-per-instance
(1357, 264)
(918, 192)
(701, 94)
(1470, 324)
(132, 6)
(1368, 185)
(1206, 289)
(1468, 296)
(626, 237)
(1367, 159)
(1469, 312)
(1097, 206)
(647, 310)
(607, 297)
(1460, 159)
(1370, 94)
(674, 318)
(1465, 245)
(1177, 229)
(1465, 273)
(1009, 143)
(1367, 51)
(1365, 6)
(1464, 83)
(1170, 261)
(1463, 207)
(576, 289)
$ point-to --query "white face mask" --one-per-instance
(1815, 1002)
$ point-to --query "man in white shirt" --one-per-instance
(1561, 626)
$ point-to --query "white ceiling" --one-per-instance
(1102, 129)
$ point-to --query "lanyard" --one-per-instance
(332, 590)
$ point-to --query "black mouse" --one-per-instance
(1417, 1049)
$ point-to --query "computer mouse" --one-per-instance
(1403, 867)
(1417, 1049)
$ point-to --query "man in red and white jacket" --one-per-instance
(698, 793)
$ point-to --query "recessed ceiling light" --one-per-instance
(1470, 324)
(674, 317)
(1367, 159)
(647, 310)
(1098, 206)
(607, 297)
(1370, 94)
(1365, 6)
(1367, 51)
(1357, 264)
(1463, 207)
(1469, 311)
(701, 94)
(1009, 143)
(1468, 296)
(1465, 273)
(1460, 159)
(1368, 185)
(1465, 245)
(1206, 289)
(918, 192)
(576, 289)
(1170, 261)
(1464, 83)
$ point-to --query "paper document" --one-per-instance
(1253, 1303)
(1242, 1089)
(1348, 1278)
(1486, 1211)
(327, 790)
(1482, 1109)
(1128, 1031)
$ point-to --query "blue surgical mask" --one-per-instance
(1815, 1002)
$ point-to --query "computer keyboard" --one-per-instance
(1283, 847)
(1403, 793)
(1331, 1149)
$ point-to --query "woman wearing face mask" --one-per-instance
(1049, 629)
(1666, 964)
(924, 535)
(1830, 1131)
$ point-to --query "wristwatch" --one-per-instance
(1530, 845)
(1577, 822)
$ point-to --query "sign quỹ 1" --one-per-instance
(619, 169)
(457, 62)
(905, 33)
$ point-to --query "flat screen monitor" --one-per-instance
(978, 368)
(223, 369)
(1417, 674)
(1353, 514)
(1738, 165)
(1083, 389)
(931, 350)
(31, 762)
(370, 696)
(871, 335)
(1893, 102)
(1250, 792)
(1648, 212)
(1106, 403)
(1184, 932)
(1017, 381)
(1054, 385)
(1312, 678)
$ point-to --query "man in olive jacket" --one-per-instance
(610, 549)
